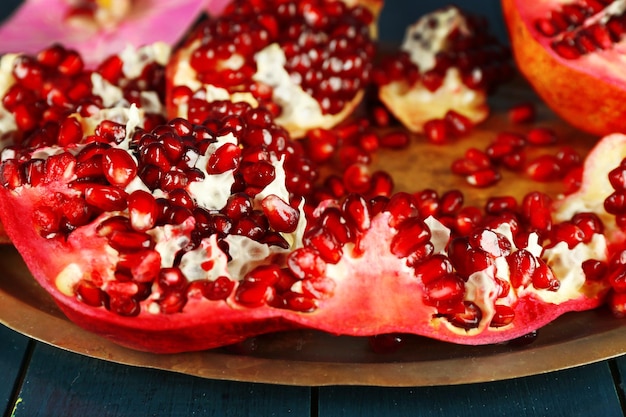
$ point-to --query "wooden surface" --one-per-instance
(40, 380)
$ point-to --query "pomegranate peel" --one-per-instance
(122, 23)
(580, 81)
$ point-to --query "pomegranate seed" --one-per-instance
(381, 116)
(123, 305)
(541, 136)
(305, 263)
(356, 178)
(484, 178)
(522, 113)
(491, 242)
(106, 198)
(469, 318)
(543, 277)
(225, 158)
(498, 205)
(381, 184)
(433, 268)
(143, 265)
(617, 304)
(503, 316)
(70, 132)
(615, 203)
(281, 216)
(119, 167)
(544, 168)
(47, 220)
(220, 289)
(357, 212)
(412, 234)
(325, 243)
(395, 140)
(436, 131)
(448, 289)
(522, 266)
(594, 270)
(142, 210)
(536, 210)
(90, 294)
(451, 202)
(60, 167)
(589, 223)
(401, 206)
(126, 241)
(254, 294)
(458, 124)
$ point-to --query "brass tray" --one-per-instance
(312, 358)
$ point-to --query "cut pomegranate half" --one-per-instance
(572, 54)
(97, 29)
(448, 61)
(308, 62)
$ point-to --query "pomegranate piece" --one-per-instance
(96, 29)
(568, 52)
(307, 62)
(447, 62)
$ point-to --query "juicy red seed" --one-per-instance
(357, 212)
(254, 294)
(356, 178)
(119, 167)
(126, 241)
(569, 233)
(142, 210)
(306, 263)
(536, 210)
(106, 198)
(491, 242)
(427, 202)
(401, 206)
(544, 278)
(617, 178)
(568, 158)
(381, 184)
(542, 136)
(352, 154)
(468, 318)
(433, 268)
(171, 279)
(321, 144)
(544, 168)
(589, 223)
(514, 140)
(220, 289)
(332, 221)
(113, 224)
(385, 343)
(181, 198)
(522, 266)
(484, 178)
(448, 289)
(503, 316)
(76, 211)
(259, 174)
(123, 305)
(90, 294)
(451, 202)
(12, 174)
(281, 216)
(616, 203)
(111, 131)
(172, 302)
(225, 158)
(395, 140)
(458, 124)
(143, 265)
(437, 131)
(70, 132)
(617, 304)
(412, 234)
(522, 113)
(500, 204)
(594, 270)
(325, 243)
(237, 206)
(60, 166)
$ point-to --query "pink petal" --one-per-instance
(38, 23)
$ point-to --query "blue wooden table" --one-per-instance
(41, 380)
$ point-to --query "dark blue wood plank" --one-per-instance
(586, 391)
(12, 350)
(60, 383)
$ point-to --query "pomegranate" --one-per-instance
(570, 53)
(308, 62)
(39, 92)
(189, 236)
(447, 62)
(96, 28)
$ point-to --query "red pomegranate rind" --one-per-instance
(122, 23)
(447, 62)
(308, 62)
(574, 68)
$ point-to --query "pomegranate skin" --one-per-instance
(582, 95)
